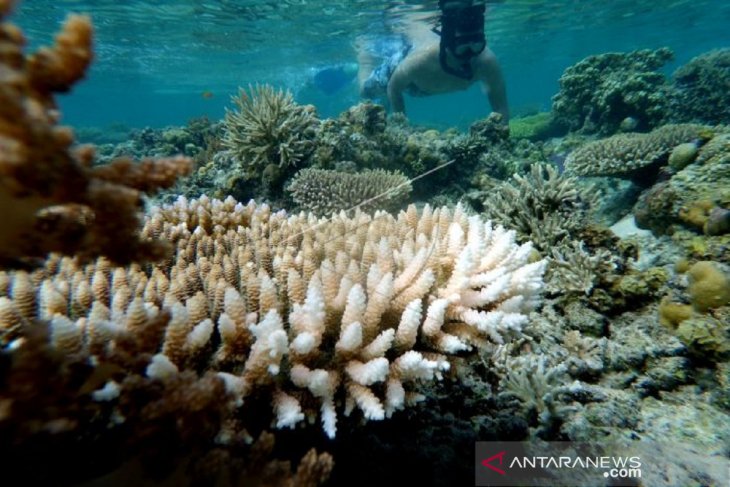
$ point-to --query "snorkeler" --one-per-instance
(421, 64)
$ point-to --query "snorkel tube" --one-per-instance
(462, 35)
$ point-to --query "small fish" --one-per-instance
(207, 95)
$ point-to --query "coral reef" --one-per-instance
(60, 203)
(633, 156)
(544, 207)
(696, 197)
(703, 325)
(286, 317)
(701, 89)
(600, 92)
(269, 133)
(72, 414)
(324, 192)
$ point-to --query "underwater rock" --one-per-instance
(584, 319)
(663, 374)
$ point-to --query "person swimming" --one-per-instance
(423, 62)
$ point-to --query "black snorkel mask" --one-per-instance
(462, 35)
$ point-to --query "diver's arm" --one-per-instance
(494, 85)
(395, 92)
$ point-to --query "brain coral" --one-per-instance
(633, 155)
(703, 89)
(600, 91)
(323, 192)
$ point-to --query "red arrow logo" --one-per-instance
(487, 463)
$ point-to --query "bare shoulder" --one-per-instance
(487, 65)
(411, 67)
(487, 58)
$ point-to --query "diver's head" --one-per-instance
(462, 28)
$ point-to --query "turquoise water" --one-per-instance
(155, 60)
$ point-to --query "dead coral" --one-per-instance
(325, 192)
(58, 201)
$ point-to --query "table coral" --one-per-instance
(635, 155)
(59, 202)
(324, 192)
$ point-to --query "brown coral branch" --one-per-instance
(58, 202)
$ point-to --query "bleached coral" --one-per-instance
(323, 192)
(298, 309)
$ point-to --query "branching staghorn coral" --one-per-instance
(537, 385)
(57, 201)
(632, 155)
(324, 192)
(573, 270)
(269, 130)
(543, 206)
(305, 317)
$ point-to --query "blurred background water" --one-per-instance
(164, 62)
